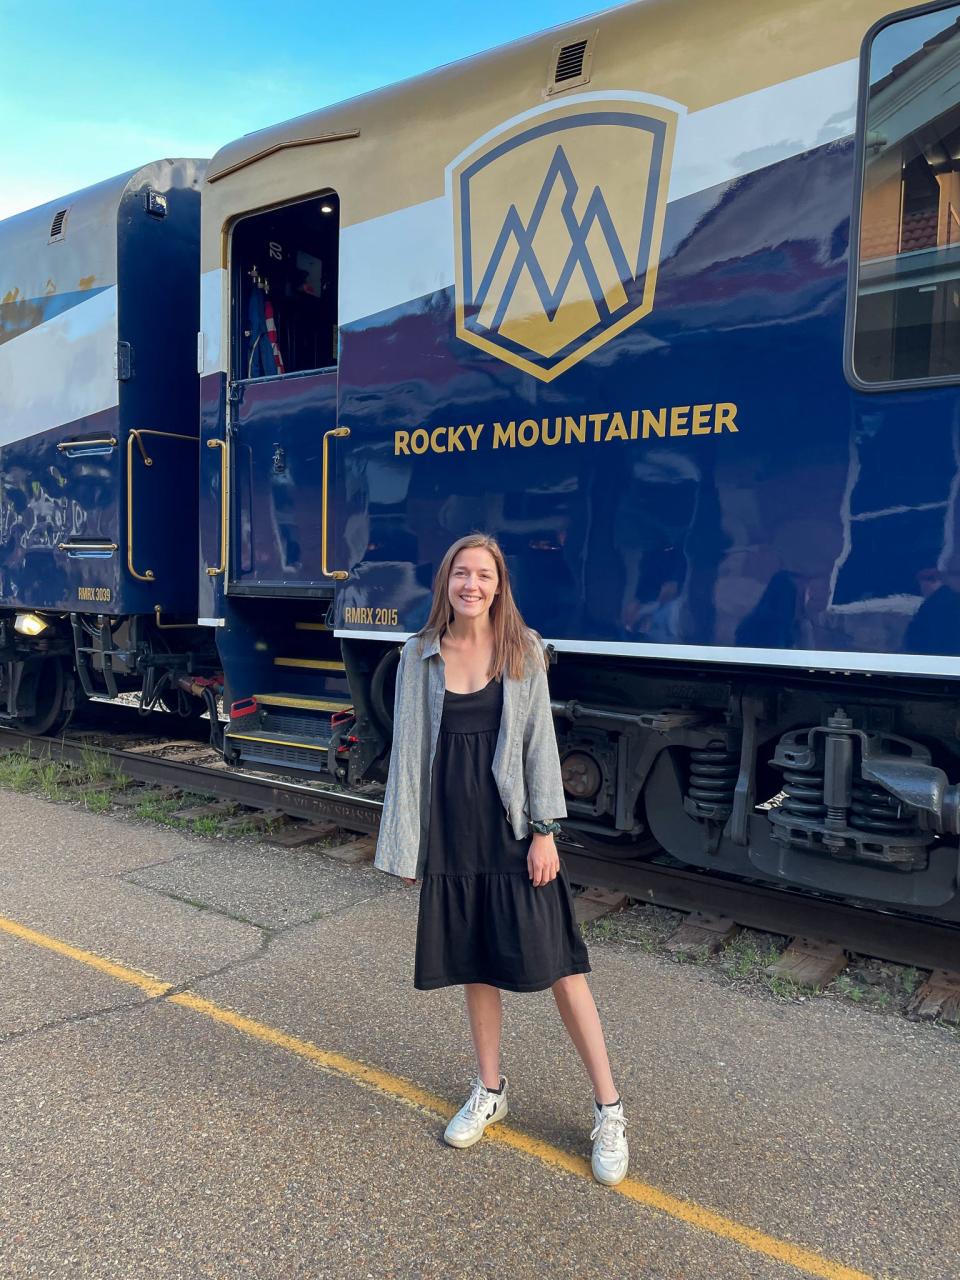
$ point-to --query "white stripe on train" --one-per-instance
(804, 659)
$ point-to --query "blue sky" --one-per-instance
(92, 88)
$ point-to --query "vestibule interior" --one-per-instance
(284, 267)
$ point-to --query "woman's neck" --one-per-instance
(471, 633)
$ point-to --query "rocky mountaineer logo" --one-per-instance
(558, 226)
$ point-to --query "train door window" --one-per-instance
(285, 289)
(907, 306)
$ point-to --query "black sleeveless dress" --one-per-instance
(481, 919)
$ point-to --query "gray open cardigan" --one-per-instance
(526, 764)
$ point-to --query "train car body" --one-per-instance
(98, 434)
(667, 301)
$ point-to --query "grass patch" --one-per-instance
(18, 771)
(159, 809)
(748, 954)
(786, 988)
(94, 776)
(878, 985)
(50, 777)
(96, 801)
(908, 979)
(96, 767)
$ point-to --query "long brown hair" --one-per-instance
(514, 643)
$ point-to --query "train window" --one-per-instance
(285, 288)
(907, 321)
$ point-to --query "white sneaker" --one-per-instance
(483, 1107)
(611, 1155)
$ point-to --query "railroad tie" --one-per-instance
(809, 962)
(704, 932)
(137, 795)
(594, 903)
(361, 850)
(209, 809)
(250, 820)
(300, 833)
(938, 997)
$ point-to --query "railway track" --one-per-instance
(854, 929)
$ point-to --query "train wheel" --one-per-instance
(382, 686)
(52, 687)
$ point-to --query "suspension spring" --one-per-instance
(803, 793)
(713, 777)
(874, 809)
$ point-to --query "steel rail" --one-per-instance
(885, 935)
(290, 798)
(926, 944)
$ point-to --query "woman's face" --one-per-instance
(473, 583)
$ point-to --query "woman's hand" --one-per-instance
(543, 861)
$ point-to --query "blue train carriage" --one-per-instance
(668, 300)
(98, 447)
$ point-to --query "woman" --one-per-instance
(471, 803)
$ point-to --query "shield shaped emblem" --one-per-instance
(558, 221)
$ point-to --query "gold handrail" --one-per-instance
(136, 437)
(337, 574)
(224, 509)
(101, 442)
(132, 439)
(171, 626)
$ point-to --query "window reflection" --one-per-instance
(908, 296)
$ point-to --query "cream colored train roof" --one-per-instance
(388, 150)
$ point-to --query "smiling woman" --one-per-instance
(472, 798)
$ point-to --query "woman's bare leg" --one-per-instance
(485, 1010)
(579, 1013)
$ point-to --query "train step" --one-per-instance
(310, 664)
(279, 729)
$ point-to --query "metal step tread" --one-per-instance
(271, 738)
(311, 664)
(300, 703)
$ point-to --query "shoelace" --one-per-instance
(478, 1099)
(611, 1129)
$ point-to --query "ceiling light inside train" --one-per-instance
(29, 624)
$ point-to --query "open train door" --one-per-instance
(286, 687)
(282, 398)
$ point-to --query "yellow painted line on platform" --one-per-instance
(405, 1091)
(144, 981)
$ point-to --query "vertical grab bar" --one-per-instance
(337, 574)
(132, 439)
(136, 437)
(224, 508)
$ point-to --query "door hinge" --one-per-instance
(123, 362)
(234, 400)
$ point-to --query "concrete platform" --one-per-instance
(146, 1138)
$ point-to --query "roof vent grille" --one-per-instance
(570, 61)
(570, 64)
(56, 226)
